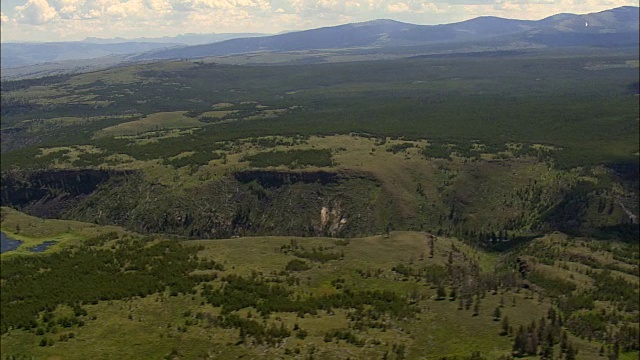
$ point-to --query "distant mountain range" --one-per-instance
(610, 28)
(184, 39)
(615, 27)
(25, 54)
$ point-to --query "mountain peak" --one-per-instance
(380, 22)
(617, 25)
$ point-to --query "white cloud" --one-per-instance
(159, 5)
(431, 8)
(508, 6)
(111, 9)
(67, 9)
(67, 12)
(374, 4)
(195, 5)
(416, 7)
(58, 4)
(77, 19)
(534, 9)
(128, 9)
(322, 8)
(398, 7)
(35, 12)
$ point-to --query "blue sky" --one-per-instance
(57, 20)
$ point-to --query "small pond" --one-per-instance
(7, 243)
(42, 247)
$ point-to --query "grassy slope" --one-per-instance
(164, 120)
(150, 327)
(33, 231)
(147, 334)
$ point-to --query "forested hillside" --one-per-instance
(476, 205)
(453, 146)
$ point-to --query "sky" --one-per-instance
(67, 20)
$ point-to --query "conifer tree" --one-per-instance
(497, 314)
(505, 326)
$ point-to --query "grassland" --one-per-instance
(155, 122)
(217, 113)
(185, 325)
(34, 231)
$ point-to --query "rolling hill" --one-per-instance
(18, 54)
(376, 39)
(617, 26)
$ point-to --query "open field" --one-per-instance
(34, 231)
(403, 263)
(158, 121)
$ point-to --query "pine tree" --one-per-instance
(551, 315)
(453, 294)
(432, 246)
(505, 326)
(615, 354)
(497, 314)
(476, 307)
(546, 352)
(519, 343)
(440, 293)
(570, 354)
(542, 328)
(531, 347)
(468, 303)
(563, 341)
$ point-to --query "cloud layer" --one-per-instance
(35, 12)
(51, 20)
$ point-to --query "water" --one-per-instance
(42, 247)
(8, 244)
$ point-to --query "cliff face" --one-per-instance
(277, 179)
(244, 203)
(50, 193)
(314, 203)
